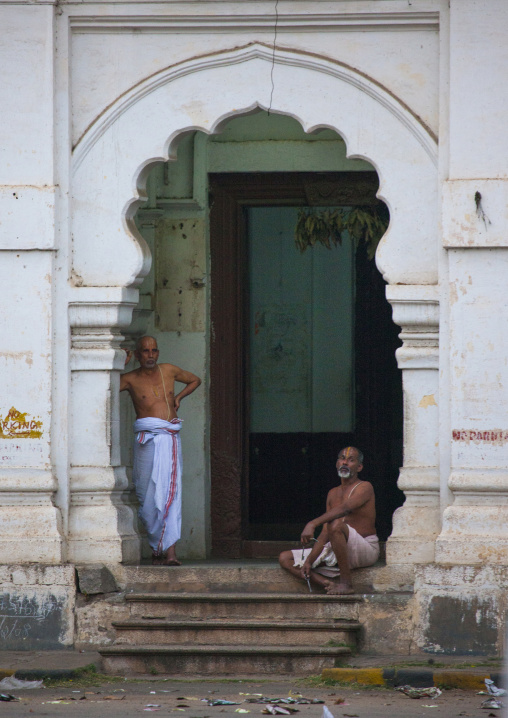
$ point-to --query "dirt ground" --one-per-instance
(102, 698)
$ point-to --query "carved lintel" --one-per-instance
(358, 190)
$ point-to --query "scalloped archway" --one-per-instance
(111, 162)
(203, 93)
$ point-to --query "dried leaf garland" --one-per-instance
(327, 226)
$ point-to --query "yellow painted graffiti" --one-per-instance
(17, 426)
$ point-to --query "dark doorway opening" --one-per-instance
(267, 484)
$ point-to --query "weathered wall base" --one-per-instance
(461, 609)
(454, 609)
(37, 607)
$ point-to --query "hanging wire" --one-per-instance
(273, 55)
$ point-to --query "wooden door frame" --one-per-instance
(229, 195)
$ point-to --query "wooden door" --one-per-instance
(250, 497)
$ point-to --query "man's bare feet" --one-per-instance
(162, 560)
(338, 589)
(171, 562)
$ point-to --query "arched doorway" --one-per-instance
(112, 162)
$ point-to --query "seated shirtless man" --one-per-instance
(157, 465)
(348, 538)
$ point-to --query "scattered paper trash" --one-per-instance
(327, 713)
(492, 703)
(490, 685)
(220, 702)
(7, 698)
(426, 705)
(290, 700)
(432, 692)
(241, 710)
(277, 710)
(11, 683)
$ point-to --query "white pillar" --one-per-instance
(102, 522)
(475, 526)
(416, 524)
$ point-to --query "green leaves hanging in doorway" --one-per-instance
(326, 227)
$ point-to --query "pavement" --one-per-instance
(465, 672)
(193, 697)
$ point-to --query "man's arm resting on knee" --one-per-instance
(360, 498)
(316, 550)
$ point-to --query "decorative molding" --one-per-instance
(27, 480)
(419, 479)
(416, 311)
(255, 51)
(479, 481)
(229, 23)
(100, 315)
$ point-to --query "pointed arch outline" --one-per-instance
(314, 90)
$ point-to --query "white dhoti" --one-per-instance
(157, 474)
(362, 551)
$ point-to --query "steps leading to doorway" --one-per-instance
(245, 618)
(213, 632)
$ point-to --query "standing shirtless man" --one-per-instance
(348, 538)
(157, 466)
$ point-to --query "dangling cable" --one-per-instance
(274, 46)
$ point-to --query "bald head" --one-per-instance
(140, 340)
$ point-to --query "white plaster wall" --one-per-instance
(475, 231)
(26, 479)
(478, 88)
(26, 95)
(27, 207)
(479, 362)
(400, 53)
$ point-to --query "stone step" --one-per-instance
(254, 575)
(206, 660)
(169, 605)
(227, 632)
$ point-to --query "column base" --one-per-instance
(474, 534)
(416, 523)
(405, 550)
(102, 528)
(30, 533)
(109, 551)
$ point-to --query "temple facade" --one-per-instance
(121, 123)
